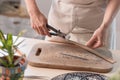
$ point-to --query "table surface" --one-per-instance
(46, 73)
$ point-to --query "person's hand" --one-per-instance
(97, 40)
(38, 23)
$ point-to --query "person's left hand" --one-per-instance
(97, 39)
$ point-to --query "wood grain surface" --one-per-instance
(97, 53)
(67, 56)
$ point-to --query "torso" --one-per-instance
(67, 14)
(83, 2)
(77, 16)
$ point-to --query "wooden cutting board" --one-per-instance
(66, 56)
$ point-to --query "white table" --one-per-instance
(26, 46)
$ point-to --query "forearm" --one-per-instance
(111, 10)
(32, 7)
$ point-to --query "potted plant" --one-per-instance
(12, 66)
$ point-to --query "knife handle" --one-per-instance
(51, 28)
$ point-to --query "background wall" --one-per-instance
(118, 31)
(44, 5)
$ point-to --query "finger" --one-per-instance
(40, 30)
(46, 32)
(35, 29)
(98, 44)
(91, 42)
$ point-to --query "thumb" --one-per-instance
(91, 42)
(98, 43)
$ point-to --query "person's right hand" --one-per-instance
(38, 23)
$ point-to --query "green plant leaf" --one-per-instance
(3, 62)
(9, 59)
(2, 38)
(20, 43)
(9, 40)
(9, 44)
(6, 46)
(20, 34)
(3, 50)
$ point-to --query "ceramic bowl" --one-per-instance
(80, 76)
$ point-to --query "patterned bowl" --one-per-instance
(80, 76)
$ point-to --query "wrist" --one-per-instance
(104, 26)
(33, 13)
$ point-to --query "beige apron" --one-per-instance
(79, 18)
